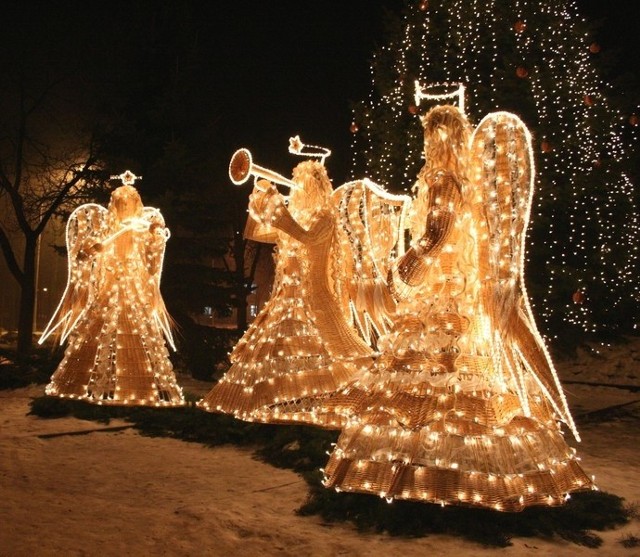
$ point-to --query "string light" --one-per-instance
(451, 92)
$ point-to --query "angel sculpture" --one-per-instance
(463, 405)
(300, 347)
(112, 312)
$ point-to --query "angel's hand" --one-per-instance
(155, 226)
(90, 251)
(264, 201)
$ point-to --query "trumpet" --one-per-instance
(242, 166)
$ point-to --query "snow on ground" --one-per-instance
(113, 492)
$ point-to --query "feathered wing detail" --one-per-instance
(503, 175)
(86, 229)
(371, 227)
(154, 259)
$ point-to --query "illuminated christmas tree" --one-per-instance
(536, 59)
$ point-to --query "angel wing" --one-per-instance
(85, 229)
(371, 228)
(154, 259)
(503, 173)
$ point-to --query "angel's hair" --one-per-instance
(446, 143)
(446, 140)
(125, 202)
(314, 193)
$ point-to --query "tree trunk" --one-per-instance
(27, 301)
(241, 288)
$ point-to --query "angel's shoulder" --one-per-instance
(87, 211)
(444, 184)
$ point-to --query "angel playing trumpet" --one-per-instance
(112, 313)
(300, 346)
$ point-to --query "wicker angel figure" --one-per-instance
(300, 347)
(112, 313)
(463, 406)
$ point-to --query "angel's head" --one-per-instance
(313, 191)
(446, 139)
(125, 203)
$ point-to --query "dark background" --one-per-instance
(268, 70)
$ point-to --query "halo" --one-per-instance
(297, 147)
(441, 92)
(128, 178)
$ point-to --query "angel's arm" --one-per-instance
(274, 211)
(256, 228)
(157, 235)
(444, 199)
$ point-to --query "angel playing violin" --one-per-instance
(463, 405)
(112, 312)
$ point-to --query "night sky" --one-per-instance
(292, 67)
(273, 69)
(269, 70)
(286, 68)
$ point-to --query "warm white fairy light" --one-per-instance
(297, 147)
(127, 178)
(593, 231)
(112, 313)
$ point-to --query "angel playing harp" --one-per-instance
(301, 346)
(463, 406)
(112, 314)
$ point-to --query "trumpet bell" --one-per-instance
(240, 166)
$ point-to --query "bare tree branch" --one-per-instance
(10, 257)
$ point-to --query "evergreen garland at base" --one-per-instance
(303, 449)
(585, 511)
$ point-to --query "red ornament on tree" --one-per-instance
(424, 5)
(353, 127)
(588, 100)
(546, 146)
(594, 48)
(522, 72)
(413, 109)
(578, 297)
(519, 26)
(634, 120)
